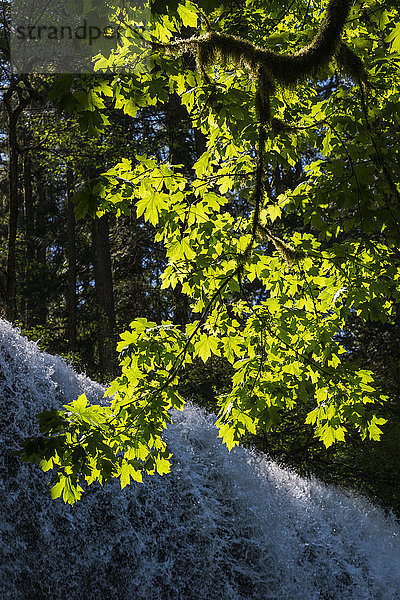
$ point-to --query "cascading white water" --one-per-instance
(220, 526)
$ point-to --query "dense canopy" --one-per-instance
(282, 230)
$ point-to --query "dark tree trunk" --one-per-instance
(11, 277)
(200, 142)
(41, 260)
(29, 240)
(104, 297)
(71, 258)
(180, 306)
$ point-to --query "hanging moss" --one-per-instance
(265, 87)
(351, 64)
(290, 255)
(285, 69)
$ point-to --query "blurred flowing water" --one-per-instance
(220, 526)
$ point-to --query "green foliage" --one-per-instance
(339, 260)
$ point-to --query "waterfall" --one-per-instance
(221, 526)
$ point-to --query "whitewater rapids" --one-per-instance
(221, 526)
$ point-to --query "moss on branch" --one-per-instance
(285, 69)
